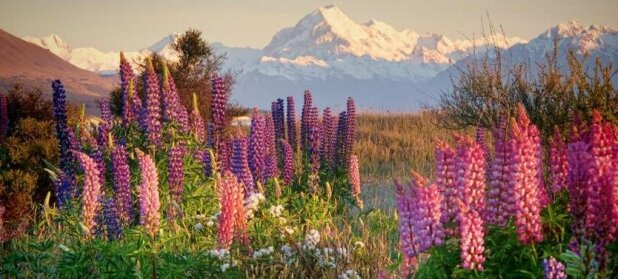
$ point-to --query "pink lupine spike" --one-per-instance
(500, 197)
(558, 162)
(445, 180)
(472, 237)
(149, 195)
(91, 194)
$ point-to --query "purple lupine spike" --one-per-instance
(482, 141)
(445, 181)
(99, 160)
(328, 137)
(425, 204)
(559, 167)
(553, 269)
(173, 110)
(314, 148)
(64, 142)
(340, 143)
(106, 111)
(219, 106)
(152, 115)
(149, 204)
(112, 220)
(407, 237)
(224, 153)
(277, 114)
(350, 137)
(500, 196)
(197, 123)
(578, 158)
(91, 194)
(210, 136)
(291, 123)
(122, 184)
(176, 176)
(208, 163)
(75, 144)
(240, 164)
(4, 117)
(288, 163)
(62, 184)
(271, 169)
(103, 131)
(127, 89)
(257, 146)
(307, 104)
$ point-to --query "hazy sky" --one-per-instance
(132, 25)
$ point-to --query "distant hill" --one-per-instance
(34, 66)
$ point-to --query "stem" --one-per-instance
(536, 256)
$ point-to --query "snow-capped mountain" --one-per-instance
(337, 57)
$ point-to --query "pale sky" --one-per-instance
(132, 25)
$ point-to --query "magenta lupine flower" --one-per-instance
(230, 211)
(578, 158)
(445, 181)
(152, 115)
(173, 110)
(240, 164)
(328, 138)
(470, 179)
(354, 177)
(91, 193)
(524, 178)
(314, 138)
(176, 175)
(224, 154)
(208, 163)
(197, 123)
(425, 204)
(482, 141)
(500, 196)
(112, 219)
(472, 241)
(304, 132)
(210, 135)
(219, 106)
(257, 146)
(149, 204)
(4, 117)
(291, 123)
(559, 165)
(553, 269)
(407, 238)
(99, 160)
(122, 184)
(288, 163)
(106, 111)
(278, 119)
(131, 104)
(350, 137)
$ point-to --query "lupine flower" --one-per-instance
(219, 106)
(559, 165)
(307, 104)
(240, 164)
(152, 111)
(341, 137)
(407, 238)
(99, 160)
(578, 158)
(112, 220)
(288, 163)
(425, 202)
(314, 148)
(350, 137)
(224, 154)
(173, 110)
(64, 144)
(471, 184)
(354, 176)
(472, 237)
(278, 119)
(445, 180)
(271, 169)
(257, 146)
(553, 269)
(91, 194)
(210, 135)
(482, 141)
(328, 137)
(232, 215)
(291, 123)
(149, 204)
(62, 184)
(176, 175)
(207, 160)
(106, 111)
(500, 196)
(122, 184)
(197, 123)
(131, 104)
(524, 178)
(4, 117)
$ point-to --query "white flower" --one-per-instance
(200, 216)
(224, 267)
(198, 226)
(359, 244)
(349, 274)
(263, 252)
(210, 223)
(276, 210)
(289, 230)
(326, 257)
(289, 255)
(220, 254)
(311, 240)
(252, 203)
